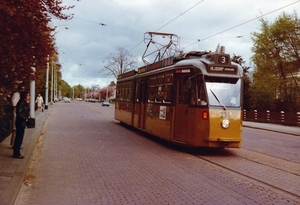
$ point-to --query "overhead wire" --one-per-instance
(170, 22)
(198, 40)
(103, 24)
(179, 15)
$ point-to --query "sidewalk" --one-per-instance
(273, 127)
(13, 171)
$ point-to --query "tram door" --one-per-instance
(181, 109)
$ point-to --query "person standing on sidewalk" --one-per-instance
(14, 100)
(22, 112)
(39, 100)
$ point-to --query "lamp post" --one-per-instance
(32, 102)
(47, 83)
(52, 76)
(55, 85)
(59, 85)
(54, 82)
(51, 94)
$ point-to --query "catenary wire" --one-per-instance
(179, 15)
(198, 40)
(169, 23)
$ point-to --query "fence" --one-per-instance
(290, 119)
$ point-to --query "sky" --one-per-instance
(100, 27)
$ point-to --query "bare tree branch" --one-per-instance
(119, 62)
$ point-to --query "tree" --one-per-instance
(247, 81)
(65, 89)
(26, 39)
(277, 59)
(79, 91)
(119, 62)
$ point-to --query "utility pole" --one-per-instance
(32, 101)
(51, 94)
(47, 83)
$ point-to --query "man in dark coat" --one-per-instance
(22, 112)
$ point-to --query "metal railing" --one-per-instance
(283, 118)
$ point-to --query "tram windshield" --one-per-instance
(224, 92)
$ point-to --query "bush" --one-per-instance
(6, 116)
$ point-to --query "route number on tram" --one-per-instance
(223, 59)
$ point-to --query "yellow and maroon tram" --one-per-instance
(193, 99)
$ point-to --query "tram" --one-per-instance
(193, 99)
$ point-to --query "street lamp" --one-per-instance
(57, 78)
(47, 78)
(51, 94)
(47, 83)
(53, 81)
(32, 94)
(55, 85)
(32, 102)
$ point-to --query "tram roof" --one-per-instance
(208, 62)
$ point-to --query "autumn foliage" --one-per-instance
(26, 39)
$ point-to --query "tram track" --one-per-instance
(271, 161)
(263, 171)
(270, 155)
(259, 169)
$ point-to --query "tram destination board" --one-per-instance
(222, 69)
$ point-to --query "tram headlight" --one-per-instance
(225, 123)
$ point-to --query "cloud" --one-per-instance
(86, 43)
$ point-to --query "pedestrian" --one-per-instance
(39, 100)
(22, 116)
(14, 100)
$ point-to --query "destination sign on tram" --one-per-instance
(221, 69)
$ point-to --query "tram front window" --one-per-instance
(224, 92)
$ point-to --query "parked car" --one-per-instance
(105, 103)
(90, 100)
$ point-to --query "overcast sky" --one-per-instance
(83, 46)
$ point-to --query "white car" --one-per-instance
(105, 103)
(67, 100)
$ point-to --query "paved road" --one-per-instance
(83, 157)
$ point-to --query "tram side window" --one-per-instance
(160, 89)
(151, 94)
(167, 94)
(160, 94)
(202, 100)
(168, 80)
(152, 89)
(193, 93)
(137, 91)
(163, 89)
(185, 91)
(128, 91)
(126, 94)
(124, 91)
(121, 94)
(197, 92)
(119, 91)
